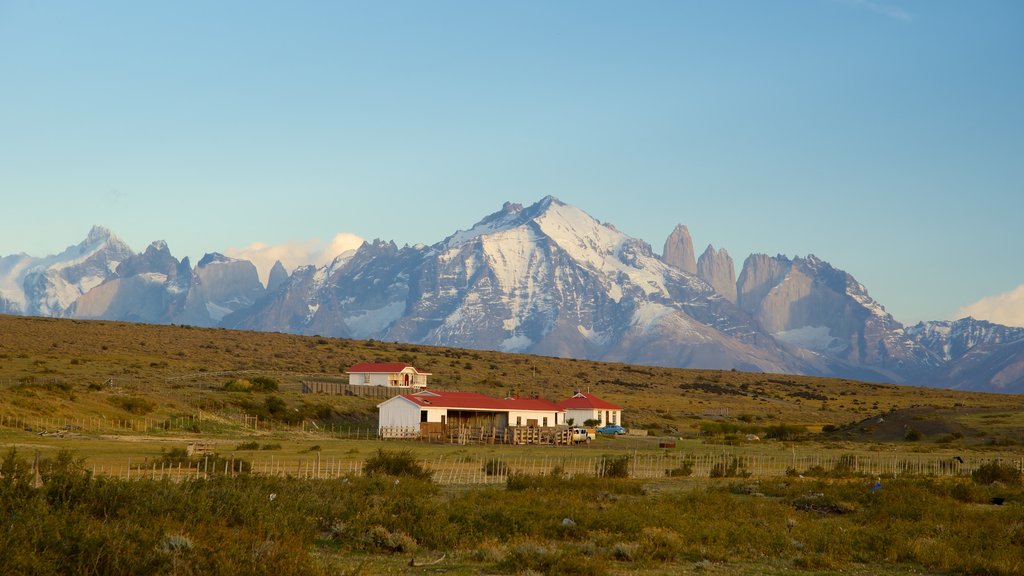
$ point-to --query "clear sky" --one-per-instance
(884, 136)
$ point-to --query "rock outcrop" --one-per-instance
(678, 250)
(716, 268)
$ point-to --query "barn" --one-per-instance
(401, 415)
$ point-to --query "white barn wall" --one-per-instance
(398, 411)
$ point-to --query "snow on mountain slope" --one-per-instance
(50, 285)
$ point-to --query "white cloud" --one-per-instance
(1006, 308)
(295, 253)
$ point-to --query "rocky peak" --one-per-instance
(716, 268)
(278, 276)
(213, 257)
(759, 275)
(679, 250)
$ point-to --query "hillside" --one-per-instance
(65, 368)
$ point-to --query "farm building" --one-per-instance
(392, 374)
(408, 414)
(585, 406)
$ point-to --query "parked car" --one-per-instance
(611, 429)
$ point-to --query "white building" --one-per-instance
(409, 411)
(585, 406)
(393, 374)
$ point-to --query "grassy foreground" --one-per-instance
(65, 521)
(82, 402)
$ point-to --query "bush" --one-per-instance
(996, 471)
(731, 469)
(398, 463)
(614, 467)
(238, 385)
(264, 384)
(139, 406)
(495, 467)
(685, 469)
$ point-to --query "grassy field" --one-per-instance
(88, 401)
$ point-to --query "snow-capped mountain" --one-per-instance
(542, 279)
(49, 286)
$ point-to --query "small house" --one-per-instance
(585, 406)
(392, 374)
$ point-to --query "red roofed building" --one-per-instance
(585, 406)
(453, 409)
(394, 374)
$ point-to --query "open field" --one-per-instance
(86, 403)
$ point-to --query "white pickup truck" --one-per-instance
(581, 434)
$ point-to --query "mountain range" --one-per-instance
(543, 279)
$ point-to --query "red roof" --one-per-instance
(381, 368)
(586, 401)
(474, 401)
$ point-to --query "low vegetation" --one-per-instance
(70, 522)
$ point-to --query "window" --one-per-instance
(366, 378)
(443, 419)
(519, 420)
(545, 421)
(613, 418)
(423, 415)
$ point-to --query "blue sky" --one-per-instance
(886, 137)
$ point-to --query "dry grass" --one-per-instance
(61, 368)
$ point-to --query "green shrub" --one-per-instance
(264, 384)
(685, 468)
(996, 471)
(731, 469)
(248, 446)
(238, 385)
(614, 467)
(495, 467)
(133, 405)
(395, 463)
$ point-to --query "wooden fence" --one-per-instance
(344, 389)
(470, 470)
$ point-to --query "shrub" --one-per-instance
(248, 446)
(495, 467)
(996, 471)
(264, 384)
(238, 385)
(913, 435)
(729, 469)
(785, 432)
(614, 467)
(396, 541)
(395, 463)
(685, 468)
(139, 406)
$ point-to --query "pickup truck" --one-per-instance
(581, 434)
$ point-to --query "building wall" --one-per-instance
(398, 412)
(524, 416)
(580, 416)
